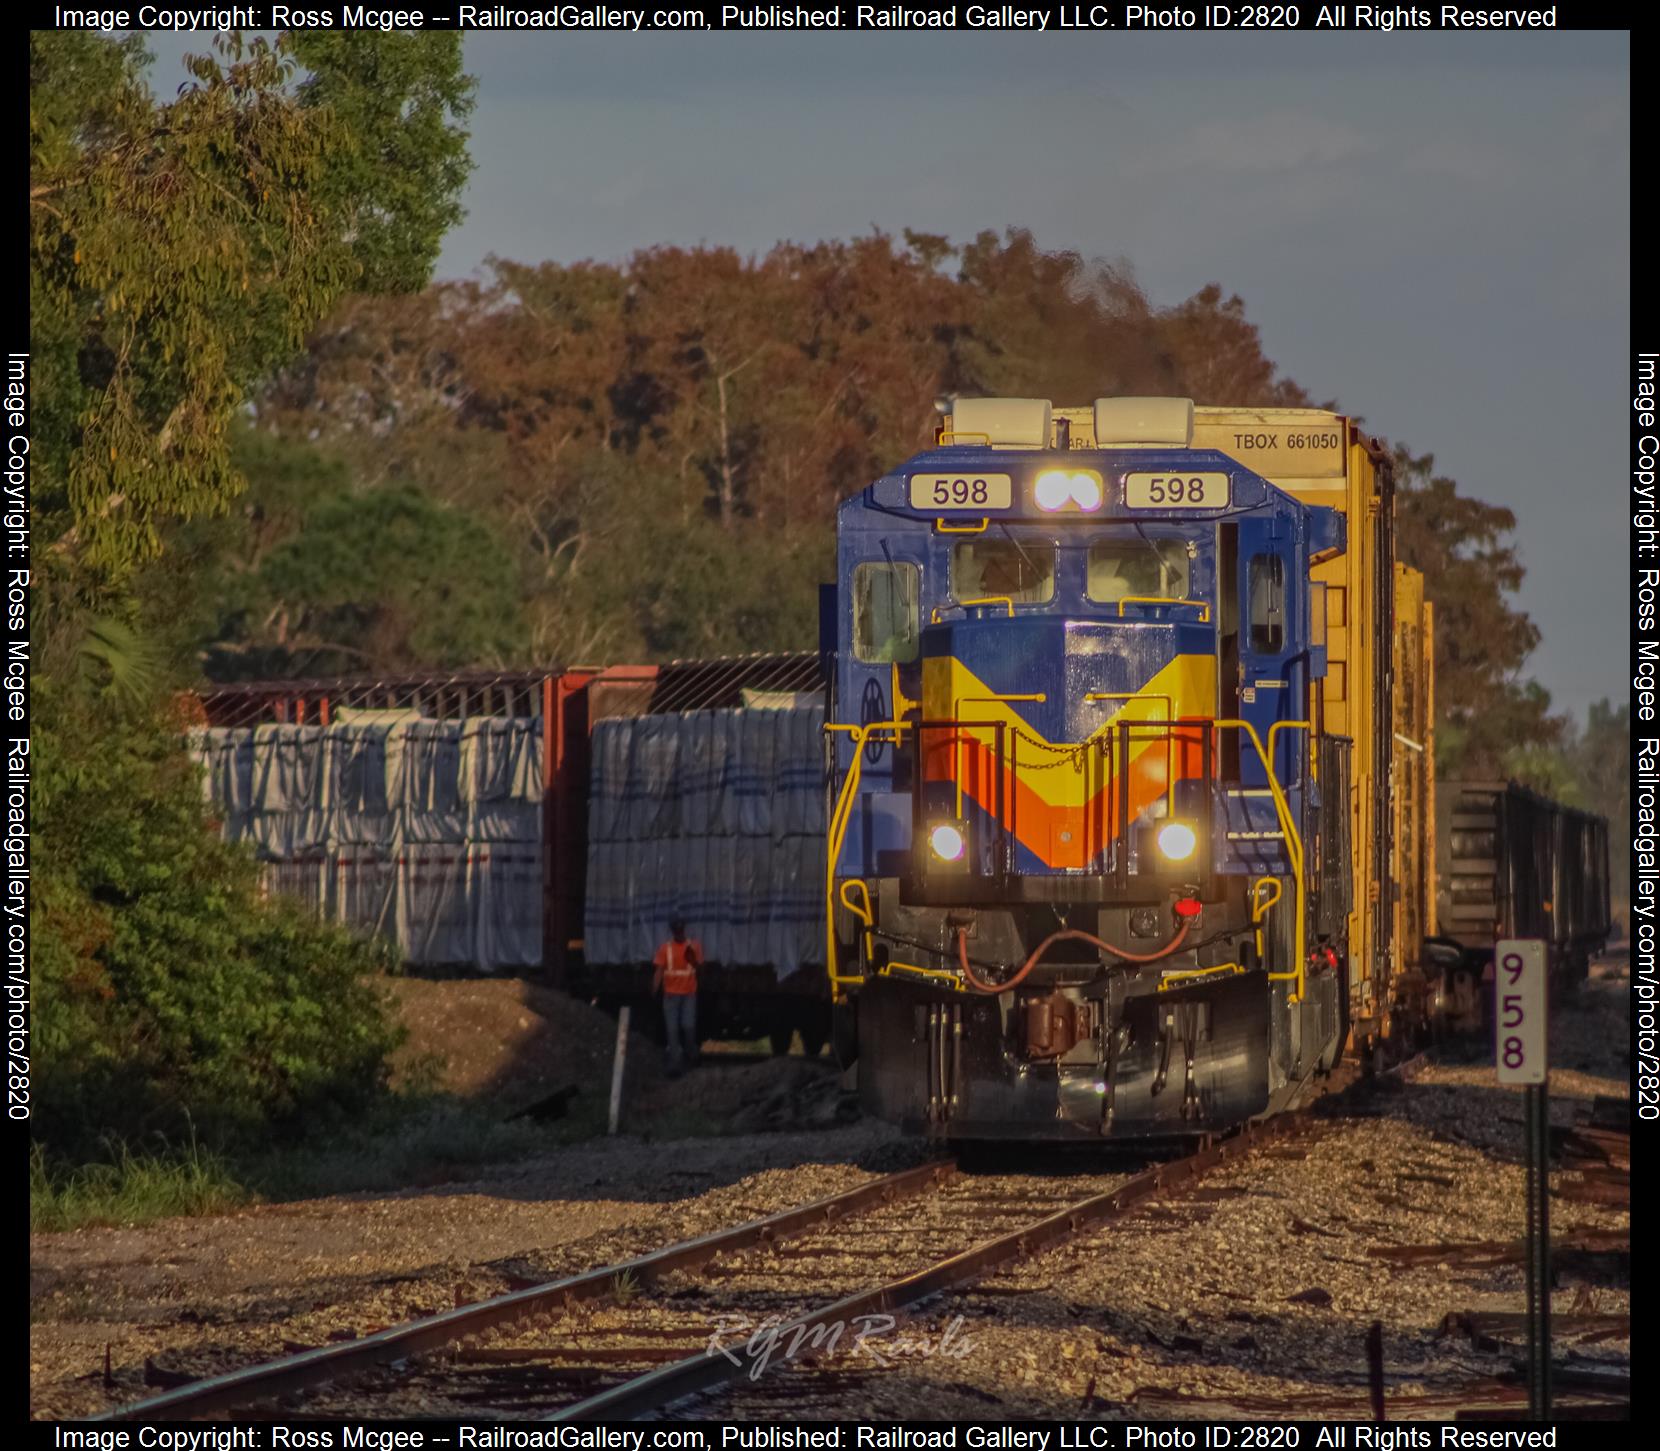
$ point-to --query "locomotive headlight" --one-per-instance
(1177, 840)
(1052, 490)
(946, 842)
(1078, 491)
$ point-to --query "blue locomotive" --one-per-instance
(1080, 872)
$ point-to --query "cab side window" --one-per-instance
(1265, 586)
(886, 612)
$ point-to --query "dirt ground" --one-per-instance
(220, 1290)
(513, 1044)
(509, 1040)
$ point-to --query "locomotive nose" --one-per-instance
(1066, 678)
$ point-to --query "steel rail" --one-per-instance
(312, 1368)
(817, 1331)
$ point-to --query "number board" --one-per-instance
(1519, 1009)
(1176, 491)
(933, 493)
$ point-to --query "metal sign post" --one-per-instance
(1521, 1052)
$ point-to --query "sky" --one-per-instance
(1431, 228)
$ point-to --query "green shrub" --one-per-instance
(129, 1188)
(169, 995)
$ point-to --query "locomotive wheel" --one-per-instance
(781, 1038)
(812, 1041)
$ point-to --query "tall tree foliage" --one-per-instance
(396, 99)
(177, 252)
(731, 401)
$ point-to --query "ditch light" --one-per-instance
(1176, 841)
(947, 842)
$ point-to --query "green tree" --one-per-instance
(389, 579)
(181, 250)
(397, 98)
(176, 252)
(167, 992)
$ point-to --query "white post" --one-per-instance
(617, 1068)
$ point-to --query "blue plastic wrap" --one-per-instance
(428, 832)
(715, 816)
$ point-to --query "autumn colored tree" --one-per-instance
(585, 408)
(1051, 325)
(1208, 344)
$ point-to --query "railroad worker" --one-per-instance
(676, 964)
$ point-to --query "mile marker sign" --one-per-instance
(1519, 1009)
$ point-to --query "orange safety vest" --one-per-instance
(679, 963)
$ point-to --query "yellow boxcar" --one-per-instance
(1379, 690)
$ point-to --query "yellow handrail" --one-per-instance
(1188, 973)
(952, 977)
(1203, 606)
(980, 528)
(1259, 908)
(844, 810)
(838, 835)
(1004, 600)
(864, 913)
(1293, 843)
(1285, 725)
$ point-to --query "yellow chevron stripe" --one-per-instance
(951, 691)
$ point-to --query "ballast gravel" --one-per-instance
(1250, 1296)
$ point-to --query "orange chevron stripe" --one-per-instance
(1070, 834)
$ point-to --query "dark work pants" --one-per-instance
(680, 1019)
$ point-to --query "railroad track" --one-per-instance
(644, 1333)
(641, 1334)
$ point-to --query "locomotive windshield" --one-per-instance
(1021, 572)
(1137, 568)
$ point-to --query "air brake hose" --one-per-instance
(1037, 954)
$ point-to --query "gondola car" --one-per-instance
(1514, 864)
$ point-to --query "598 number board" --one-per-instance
(1175, 491)
(936, 492)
